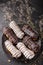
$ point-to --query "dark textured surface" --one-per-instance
(3, 57)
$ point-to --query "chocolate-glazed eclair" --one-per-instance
(10, 35)
(26, 52)
(29, 31)
(12, 49)
(16, 29)
(31, 44)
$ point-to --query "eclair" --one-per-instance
(31, 44)
(29, 31)
(26, 52)
(16, 29)
(12, 49)
(10, 35)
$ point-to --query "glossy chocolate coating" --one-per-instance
(30, 44)
(29, 31)
(10, 35)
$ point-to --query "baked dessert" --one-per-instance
(26, 52)
(12, 49)
(31, 44)
(10, 35)
(16, 29)
(29, 31)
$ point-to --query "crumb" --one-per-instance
(38, 60)
(9, 60)
(25, 62)
(35, 64)
(42, 53)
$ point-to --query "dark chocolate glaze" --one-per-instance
(28, 30)
(31, 44)
(10, 35)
